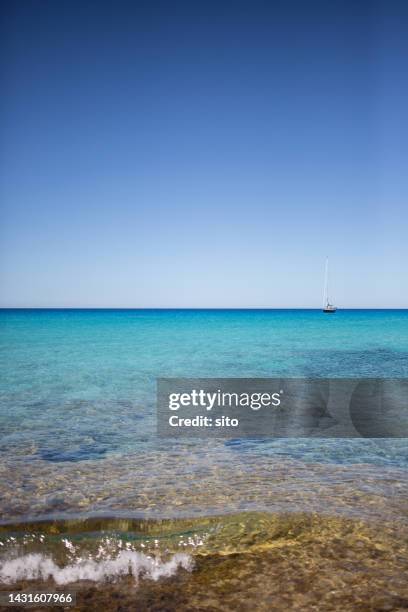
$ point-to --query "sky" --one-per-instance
(203, 154)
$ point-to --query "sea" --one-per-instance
(90, 494)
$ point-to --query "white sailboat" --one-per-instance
(327, 307)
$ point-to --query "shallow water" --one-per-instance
(292, 561)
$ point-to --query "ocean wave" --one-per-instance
(37, 566)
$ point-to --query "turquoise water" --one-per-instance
(78, 386)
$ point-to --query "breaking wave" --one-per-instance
(37, 566)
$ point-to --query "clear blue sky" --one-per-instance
(203, 153)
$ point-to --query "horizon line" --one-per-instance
(196, 308)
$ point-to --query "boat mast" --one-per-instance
(326, 285)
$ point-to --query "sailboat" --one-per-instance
(327, 307)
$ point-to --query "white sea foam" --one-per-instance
(37, 566)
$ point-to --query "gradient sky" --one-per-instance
(206, 154)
